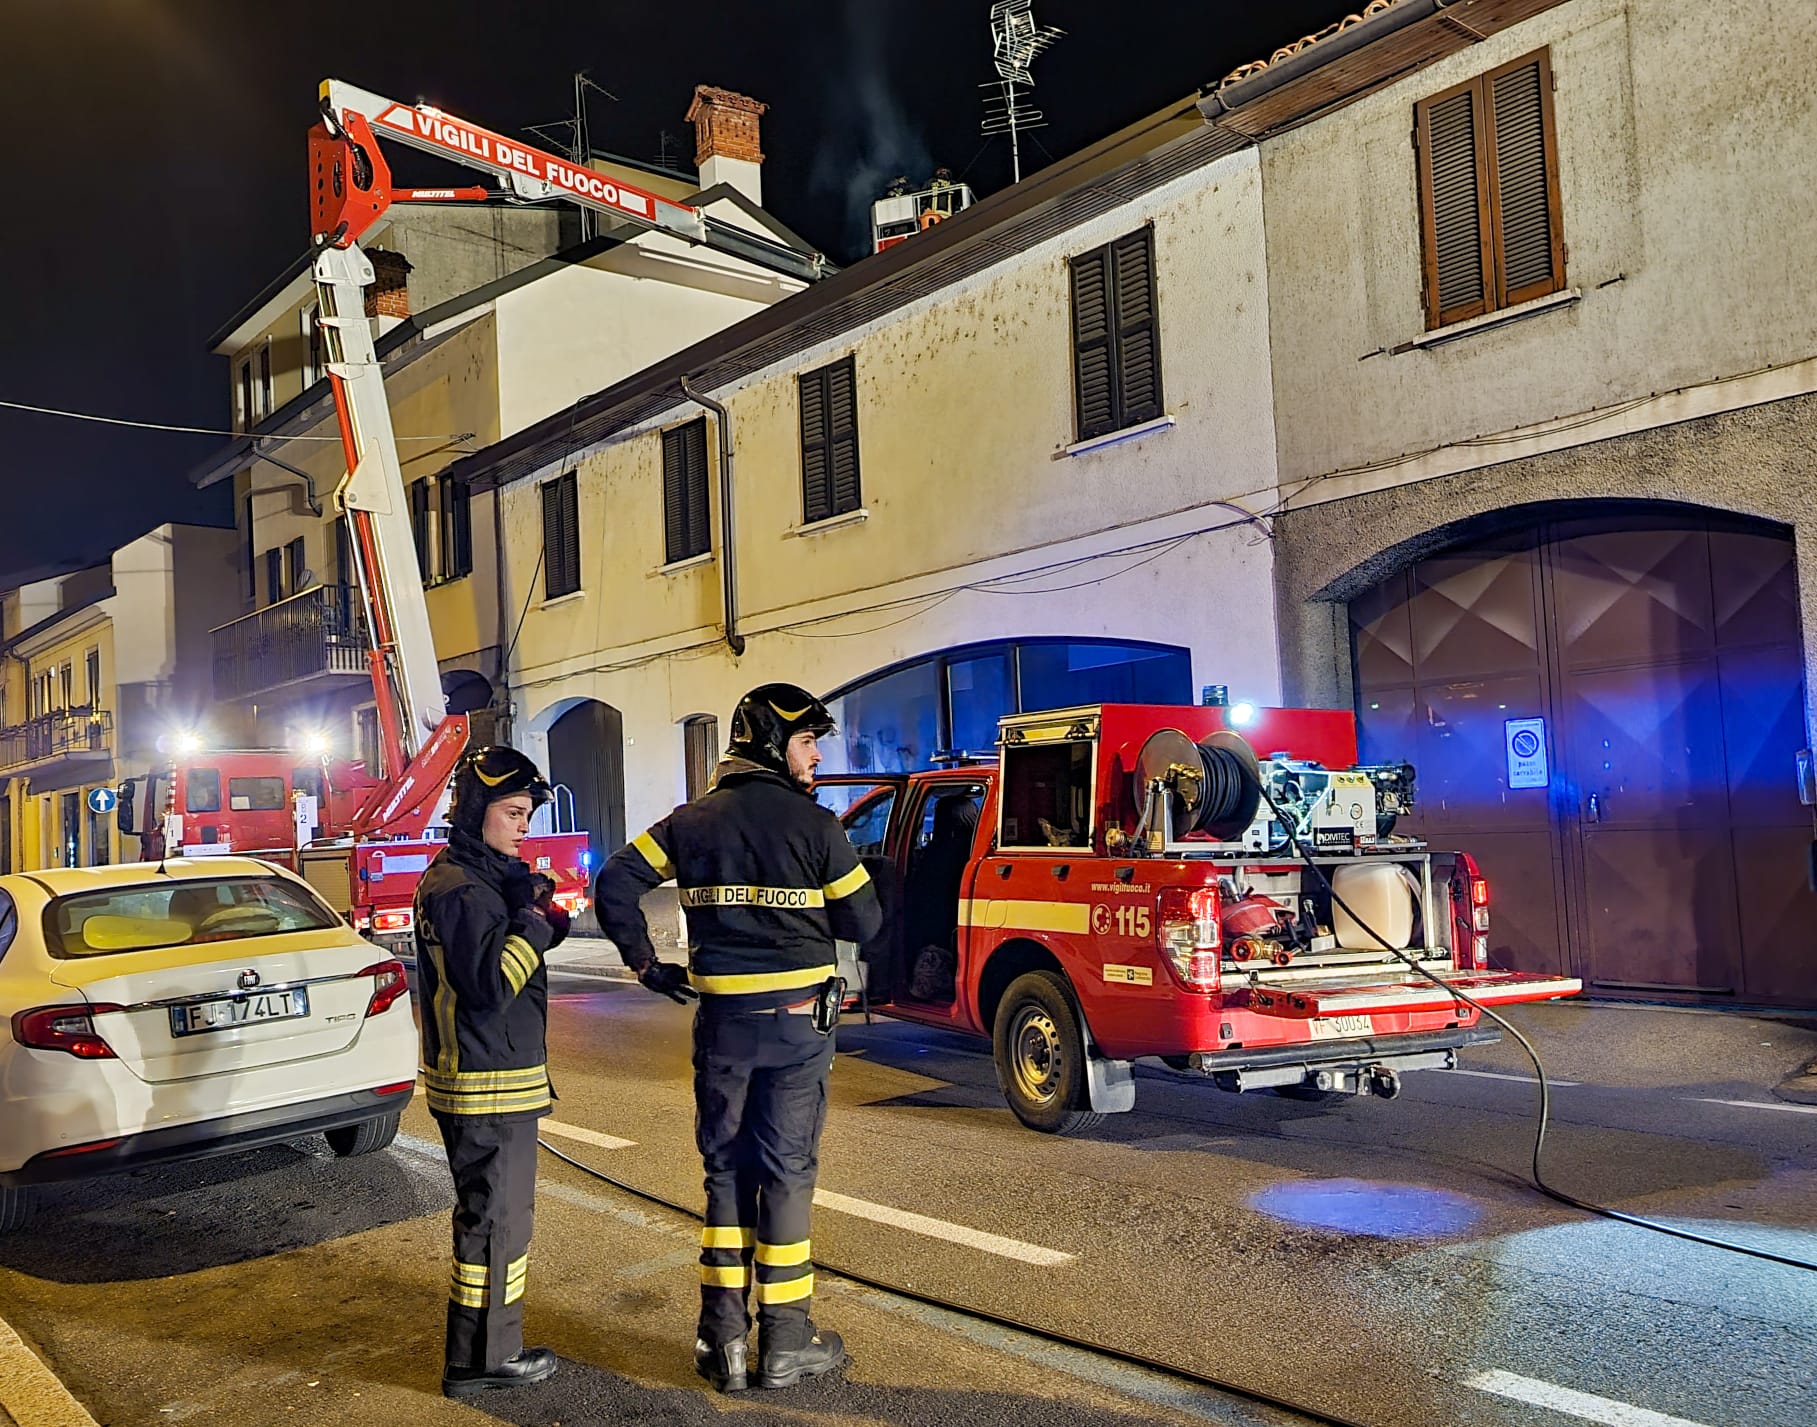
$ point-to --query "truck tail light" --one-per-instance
(388, 985)
(70, 1029)
(395, 919)
(573, 903)
(1471, 889)
(1188, 936)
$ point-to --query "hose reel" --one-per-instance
(1212, 787)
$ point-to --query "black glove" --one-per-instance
(666, 978)
(518, 887)
(552, 911)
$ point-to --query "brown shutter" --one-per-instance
(419, 527)
(1094, 343)
(1529, 250)
(1454, 204)
(1138, 332)
(842, 432)
(561, 536)
(684, 491)
(816, 477)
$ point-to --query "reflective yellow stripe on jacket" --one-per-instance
(488, 1092)
(753, 982)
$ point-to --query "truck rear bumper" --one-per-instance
(1344, 1065)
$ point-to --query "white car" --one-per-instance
(170, 1012)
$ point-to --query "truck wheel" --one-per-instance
(367, 1137)
(1040, 1054)
(17, 1207)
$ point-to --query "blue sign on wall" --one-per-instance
(102, 800)
(1527, 762)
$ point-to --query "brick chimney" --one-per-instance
(388, 299)
(726, 140)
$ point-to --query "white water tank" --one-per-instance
(1384, 895)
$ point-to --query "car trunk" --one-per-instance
(279, 999)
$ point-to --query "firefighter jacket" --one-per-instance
(485, 997)
(767, 880)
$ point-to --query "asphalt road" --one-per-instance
(1380, 1262)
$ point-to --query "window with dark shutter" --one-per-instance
(296, 567)
(1116, 336)
(561, 536)
(829, 442)
(419, 527)
(456, 509)
(252, 557)
(684, 492)
(274, 575)
(1488, 180)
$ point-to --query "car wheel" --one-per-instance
(17, 1208)
(1040, 1054)
(367, 1137)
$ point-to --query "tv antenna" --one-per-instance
(1016, 41)
(578, 144)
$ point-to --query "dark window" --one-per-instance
(418, 497)
(265, 380)
(255, 795)
(456, 502)
(296, 566)
(980, 691)
(246, 395)
(1488, 178)
(92, 672)
(866, 817)
(202, 790)
(700, 750)
(312, 337)
(829, 442)
(1047, 795)
(274, 575)
(561, 536)
(1058, 676)
(1116, 336)
(684, 492)
(343, 554)
(252, 557)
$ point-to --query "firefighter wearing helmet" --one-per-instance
(767, 881)
(482, 927)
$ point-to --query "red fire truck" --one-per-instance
(1132, 881)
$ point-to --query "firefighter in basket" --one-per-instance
(482, 926)
(767, 881)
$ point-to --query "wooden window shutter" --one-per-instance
(684, 492)
(419, 526)
(1529, 249)
(1138, 332)
(1094, 345)
(456, 502)
(816, 476)
(842, 436)
(1489, 193)
(561, 536)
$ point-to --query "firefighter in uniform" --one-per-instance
(767, 881)
(482, 926)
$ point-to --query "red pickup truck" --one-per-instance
(1122, 884)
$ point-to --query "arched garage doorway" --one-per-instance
(1655, 652)
(587, 755)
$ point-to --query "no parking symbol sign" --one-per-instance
(1526, 743)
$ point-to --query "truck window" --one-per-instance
(1047, 789)
(202, 791)
(255, 795)
(868, 820)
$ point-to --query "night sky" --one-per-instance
(155, 180)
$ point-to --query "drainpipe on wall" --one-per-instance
(501, 686)
(315, 501)
(727, 560)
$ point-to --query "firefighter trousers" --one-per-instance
(494, 1165)
(759, 1101)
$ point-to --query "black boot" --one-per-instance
(725, 1366)
(784, 1367)
(519, 1370)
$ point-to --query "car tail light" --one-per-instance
(398, 919)
(66, 1028)
(90, 1148)
(1188, 935)
(573, 903)
(388, 984)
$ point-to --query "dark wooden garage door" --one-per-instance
(1667, 853)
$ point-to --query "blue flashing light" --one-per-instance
(1371, 1207)
(586, 859)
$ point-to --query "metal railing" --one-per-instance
(319, 631)
(56, 734)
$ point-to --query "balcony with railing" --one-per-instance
(63, 747)
(319, 634)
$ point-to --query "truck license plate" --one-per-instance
(1332, 1028)
(226, 1012)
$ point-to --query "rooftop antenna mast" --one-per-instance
(1016, 40)
(579, 144)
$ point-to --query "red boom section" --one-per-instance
(403, 806)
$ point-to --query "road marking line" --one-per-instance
(586, 1137)
(1518, 1079)
(30, 1392)
(940, 1229)
(1760, 1105)
(1573, 1404)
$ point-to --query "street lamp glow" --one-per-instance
(1242, 714)
(189, 743)
(315, 744)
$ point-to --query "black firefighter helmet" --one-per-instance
(768, 717)
(483, 776)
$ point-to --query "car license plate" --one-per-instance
(1331, 1028)
(227, 1012)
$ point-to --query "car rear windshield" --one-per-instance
(174, 912)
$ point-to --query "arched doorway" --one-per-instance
(587, 755)
(1655, 845)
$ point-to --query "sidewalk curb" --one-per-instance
(1800, 1087)
(30, 1393)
